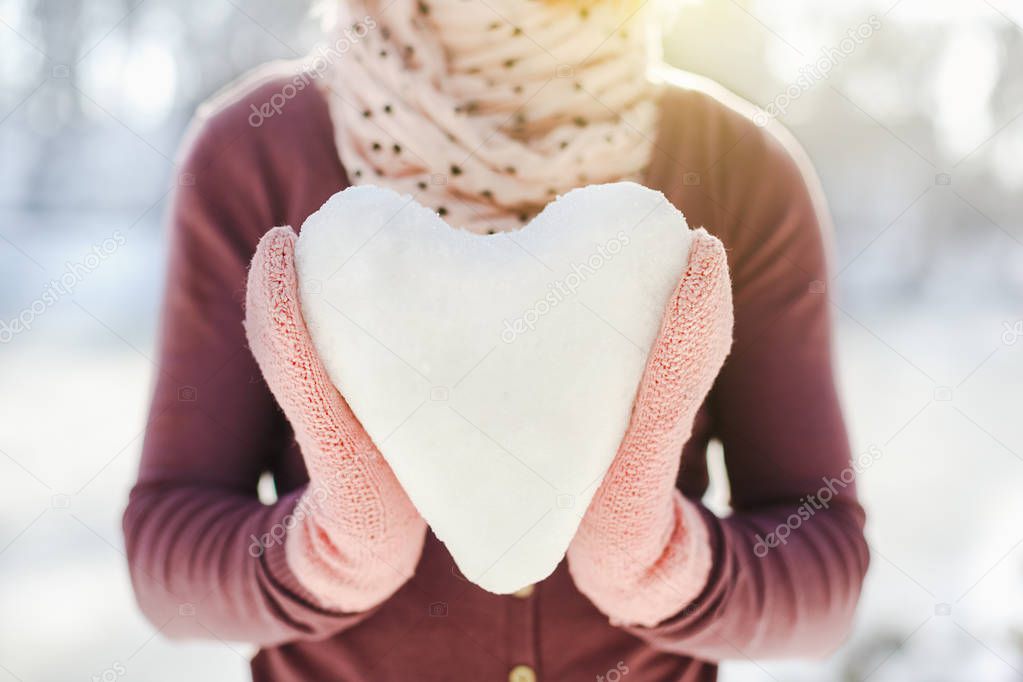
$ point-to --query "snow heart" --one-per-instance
(495, 373)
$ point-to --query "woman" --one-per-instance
(485, 111)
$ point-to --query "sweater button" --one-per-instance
(522, 673)
(524, 593)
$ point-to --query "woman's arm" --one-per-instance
(775, 409)
(194, 524)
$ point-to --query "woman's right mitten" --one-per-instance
(357, 537)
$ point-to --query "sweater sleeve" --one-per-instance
(789, 561)
(206, 556)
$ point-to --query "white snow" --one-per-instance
(495, 373)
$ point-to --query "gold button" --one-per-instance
(522, 673)
(525, 593)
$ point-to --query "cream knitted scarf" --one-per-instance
(485, 110)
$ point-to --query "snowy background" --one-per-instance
(917, 135)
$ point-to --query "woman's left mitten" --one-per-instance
(642, 553)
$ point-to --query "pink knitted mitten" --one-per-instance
(357, 538)
(642, 551)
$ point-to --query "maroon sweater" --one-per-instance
(214, 429)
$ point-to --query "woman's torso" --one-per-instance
(439, 626)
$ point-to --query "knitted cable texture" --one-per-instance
(357, 538)
(642, 551)
(485, 111)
